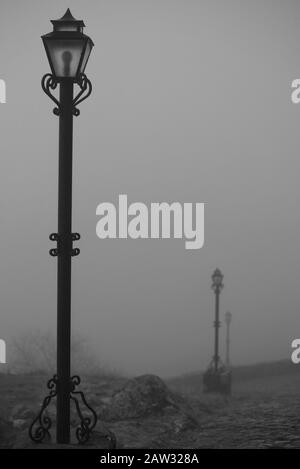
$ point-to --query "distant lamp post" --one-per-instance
(228, 318)
(68, 51)
(215, 379)
(217, 286)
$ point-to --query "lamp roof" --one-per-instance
(68, 18)
(217, 273)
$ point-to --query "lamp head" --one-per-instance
(68, 48)
(228, 317)
(217, 280)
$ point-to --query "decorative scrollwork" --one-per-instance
(39, 429)
(75, 252)
(56, 251)
(54, 237)
(49, 83)
(85, 91)
(211, 366)
(87, 424)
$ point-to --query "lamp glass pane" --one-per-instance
(217, 279)
(66, 27)
(86, 56)
(65, 56)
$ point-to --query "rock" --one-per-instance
(22, 412)
(182, 422)
(141, 397)
(20, 424)
(7, 434)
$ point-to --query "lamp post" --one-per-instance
(68, 50)
(217, 285)
(228, 318)
(217, 378)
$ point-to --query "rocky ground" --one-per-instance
(145, 412)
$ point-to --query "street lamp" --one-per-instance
(217, 378)
(68, 50)
(217, 286)
(228, 318)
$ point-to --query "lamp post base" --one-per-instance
(217, 381)
(39, 431)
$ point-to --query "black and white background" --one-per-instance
(191, 103)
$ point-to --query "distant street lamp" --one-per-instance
(228, 318)
(68, 51)
(217, 286)
(216, 378)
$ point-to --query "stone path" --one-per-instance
(263, 413)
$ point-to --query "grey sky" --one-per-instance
(191, 103)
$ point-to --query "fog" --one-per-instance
(191, 103)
